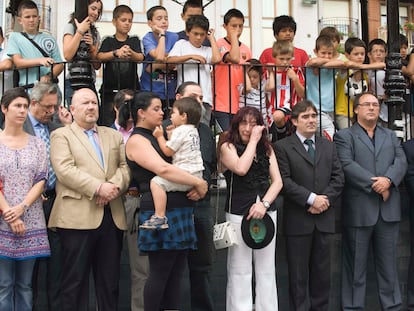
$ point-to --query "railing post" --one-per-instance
(394, 80)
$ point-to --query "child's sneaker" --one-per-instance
(155, 223)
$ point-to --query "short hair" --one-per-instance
(377, 41)
(41, 89)
(12, 94)
(282, 47)
(255, 65)
(352, 43)
(181, 88)
(191, 107)
(301, 107)
(331, 32)
(358, 97)
(192, 4)
(26, 4)
(323, 40)
(283, 21)
(1, 32)
(151, 11)
(197, 21)
(403, 40)
(121, 9)
(233, 13)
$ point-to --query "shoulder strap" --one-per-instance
(35, 44)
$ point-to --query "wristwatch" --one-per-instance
(266, 204)
(161, 35)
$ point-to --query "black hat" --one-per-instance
(257, 233)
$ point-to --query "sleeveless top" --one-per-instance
(245, 189)
(181, 232)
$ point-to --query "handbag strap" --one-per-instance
(35, 44)
(230, 197)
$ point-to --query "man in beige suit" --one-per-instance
(91, 170)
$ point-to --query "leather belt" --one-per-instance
(132, 192)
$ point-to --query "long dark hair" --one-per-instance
(119, 101)
(81, 12)
(233, 135)
(140, 101)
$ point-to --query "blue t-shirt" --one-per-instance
(18, 44)
(157, 78)
(326, 91)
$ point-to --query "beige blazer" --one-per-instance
(79, 174)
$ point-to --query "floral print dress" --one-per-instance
(20, 169)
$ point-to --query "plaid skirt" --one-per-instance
(180, 234)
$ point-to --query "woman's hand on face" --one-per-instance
(257, 211)
(256, 134)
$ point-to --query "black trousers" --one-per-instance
(309, 271)
(98, 249)
(163, 287)
(200, 261)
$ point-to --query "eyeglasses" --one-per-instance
(47, 107)
(369, 104)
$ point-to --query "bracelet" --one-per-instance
(80, 31)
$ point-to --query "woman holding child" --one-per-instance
(167, 249)
(251, 170)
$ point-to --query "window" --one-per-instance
(139, 7)
(242, 5)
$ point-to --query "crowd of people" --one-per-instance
(135, 160)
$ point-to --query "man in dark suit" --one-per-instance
(409, 183)
(312, 182)
(43, 104)
(374, 164)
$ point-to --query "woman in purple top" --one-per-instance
(23, 172)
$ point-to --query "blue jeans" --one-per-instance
(16, 284)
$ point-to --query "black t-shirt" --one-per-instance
(120, 74)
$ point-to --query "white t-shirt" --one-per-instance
(192, 70)
(185, 142)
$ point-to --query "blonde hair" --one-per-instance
(282, 47)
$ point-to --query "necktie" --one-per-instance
(44, 135)
(95, 145)
(311, 150)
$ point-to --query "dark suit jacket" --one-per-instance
(301, 177)
(28, 126)
(361, 161)
(408, 147)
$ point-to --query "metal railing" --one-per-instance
(269, 102)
